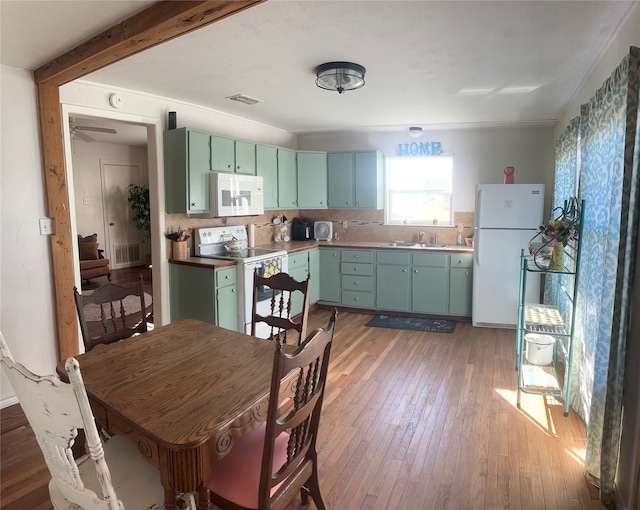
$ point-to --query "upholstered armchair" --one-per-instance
(92, 261)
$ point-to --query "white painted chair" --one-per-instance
(112, 476)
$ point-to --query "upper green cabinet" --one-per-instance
(245, 157)
(187, 165)
(312, 180)
(222, 154)
(287, 179)
(267, 168)
(355, 180)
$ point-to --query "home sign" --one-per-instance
(419, 149)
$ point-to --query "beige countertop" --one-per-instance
(297, 246)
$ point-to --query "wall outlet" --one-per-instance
(345, 223)
(86, 201)
(46, 226)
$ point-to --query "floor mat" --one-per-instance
(412, 323)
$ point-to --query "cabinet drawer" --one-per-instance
(356, 268)
(461, 260)
(357, 282)
(225, 277)
(300, 259)
(359, 299)
(430, 259)
(400, 258)
(357, 256)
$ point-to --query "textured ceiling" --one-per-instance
(429, 63)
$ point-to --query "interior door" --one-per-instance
(124, 246)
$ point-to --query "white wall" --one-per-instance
(87, 181)
(26, 290)
(481, 154)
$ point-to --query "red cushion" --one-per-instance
(236, 477)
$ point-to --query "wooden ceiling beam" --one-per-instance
(156, 24)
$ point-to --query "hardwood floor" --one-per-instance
(411, 420)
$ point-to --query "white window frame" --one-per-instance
(411, 189)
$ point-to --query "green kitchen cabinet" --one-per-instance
(223, 155)
(355, 180)
(187, 163)
(312, 179)
(226, 298)
(287, 179)
(340, 177)
(393, 280)
(206, 294)
(299, 271)
(267, 168)
(314, 271)
(357, 280)
(329, 259)
(430, 283)
(245, 157)
(460, 284)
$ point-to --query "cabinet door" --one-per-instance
(393, 286)
(199, 170)
(314, 271)
(460, 291)
(287, 181)
(267, 167)
(222, 154)
(369, 193)
(312, 180)
(192, 293)
(176, 175)
(429, 289)
(340, 180)
(227, 308)
(245, 157)
(330, 271)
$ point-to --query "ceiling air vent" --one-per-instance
(241, 98)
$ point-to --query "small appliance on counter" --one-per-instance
(301, 229)
(322, 230)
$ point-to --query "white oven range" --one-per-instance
(210, 243)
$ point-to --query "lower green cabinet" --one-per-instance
(330, 271)
(393, 280)
(298, 270)
(460, 284)
(204, 293)
(314, 271)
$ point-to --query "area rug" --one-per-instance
(412, 323)
(131, 305)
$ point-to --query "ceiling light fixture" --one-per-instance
(415, 132)
(340, 76)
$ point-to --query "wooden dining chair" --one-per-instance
(283, 290)
(268, 467)
(110, 472)
(111, 313)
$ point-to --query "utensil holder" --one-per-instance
(179, 249)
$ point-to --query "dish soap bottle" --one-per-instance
(459, 238)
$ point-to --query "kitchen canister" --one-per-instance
(179, 249)
(539, 348)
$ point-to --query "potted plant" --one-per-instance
(139, 200)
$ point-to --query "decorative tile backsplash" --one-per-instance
(348, 225)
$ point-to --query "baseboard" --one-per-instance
(9, 401)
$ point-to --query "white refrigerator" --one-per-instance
(507, 216)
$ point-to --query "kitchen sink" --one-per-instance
(416, 245)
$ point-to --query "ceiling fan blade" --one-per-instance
(82, 136)
(96, 129)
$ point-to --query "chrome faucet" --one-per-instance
(434, 239)
(420, 237)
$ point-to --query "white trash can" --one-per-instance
(539, 348)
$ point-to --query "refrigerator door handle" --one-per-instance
(479, 206)
(476, 245)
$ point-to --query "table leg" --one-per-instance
(169, 498)
(203, 494)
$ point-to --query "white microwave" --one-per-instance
(235, 195)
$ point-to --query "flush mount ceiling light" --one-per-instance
(415, 132)
(241, 98)
(340, 76)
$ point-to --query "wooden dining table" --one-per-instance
(182, 393)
